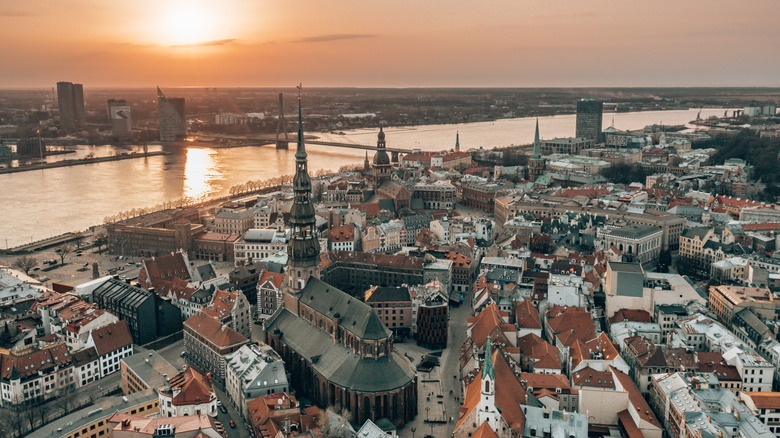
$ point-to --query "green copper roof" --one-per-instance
(487, 369)
(537, 146)
(457, 141)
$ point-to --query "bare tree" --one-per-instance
(100, 241)
(11, 425)
(63, 251)
(25, 263)
(78, 239)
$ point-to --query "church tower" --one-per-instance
(536, 163)
(486, 408)
(303, 253)
(457, 141)
(381, 161)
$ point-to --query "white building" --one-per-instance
(756, 372)
(188, 393)
(77, 333)
(567, 290)
(441, 229)
(33, 373)
(112, 343)
(253, 371)
(637, 243)
(257, 244)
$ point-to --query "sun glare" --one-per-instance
(186, 25)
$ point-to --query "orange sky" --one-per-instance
(396, 43)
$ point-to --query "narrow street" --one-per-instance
(448, 373)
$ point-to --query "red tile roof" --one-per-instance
(526, 315)
(570, 323)
(484, 431)
(635, 397)
(344, 233)
(193, 386)
(636, 315)
(276, 280)
(31, 360)
(111, 337)
(165, 267)
(765, 400)
(219, 335)
(486, 323)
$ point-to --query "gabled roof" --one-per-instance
(482, 325)
(111, 337)
(526, 315)
(215, 332)
(354, 315)
(273, 278)
(484, 431)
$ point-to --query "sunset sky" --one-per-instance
(393, 43)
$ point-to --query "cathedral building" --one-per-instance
(536, 163)
(336, 349)
(381, 166)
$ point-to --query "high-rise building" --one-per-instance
(119, 117)
(589, 112)
(70, 99)
(173, 124)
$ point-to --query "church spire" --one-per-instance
(487, 369)
(457, 141)
(537, 146)
(304, 246)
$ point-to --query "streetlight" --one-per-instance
(414, 429)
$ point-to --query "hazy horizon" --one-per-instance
(402, 44)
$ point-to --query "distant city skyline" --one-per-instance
(235, 43)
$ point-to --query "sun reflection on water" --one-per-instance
(200, 163)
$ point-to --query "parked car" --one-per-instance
(223, 409)
(232, 424)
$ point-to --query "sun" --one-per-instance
(187, 25)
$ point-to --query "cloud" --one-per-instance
(224, 42)
(18, 13)
(334, 37)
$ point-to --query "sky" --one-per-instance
(392, 43)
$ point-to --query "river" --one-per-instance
(43, 203)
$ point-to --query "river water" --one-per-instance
(43, 203)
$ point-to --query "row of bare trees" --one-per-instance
(134, 212)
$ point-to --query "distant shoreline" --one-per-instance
(80, 161)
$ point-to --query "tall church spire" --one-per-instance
(457, 141)
(304, 250)
(537, 146)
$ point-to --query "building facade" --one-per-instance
(589, 119)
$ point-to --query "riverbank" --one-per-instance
(68, 163)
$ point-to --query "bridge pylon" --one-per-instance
(281, 126)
